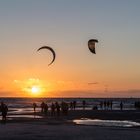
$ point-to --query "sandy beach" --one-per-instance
(63, 127)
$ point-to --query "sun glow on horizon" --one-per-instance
(35, 87)
(32, 87)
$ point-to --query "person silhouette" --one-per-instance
(101, 105)
(64, 108)
(121, 105)
(108, 104)
(4, 110)
(42, 107)
(74, 104)
(46, 108)
(52, 109)
(71, 105)
(111, 104)
(57, 108)
(105, 103)
(34, 106)
(84, 104)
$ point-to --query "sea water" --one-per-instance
(24, 105)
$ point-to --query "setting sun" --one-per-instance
(35, 90)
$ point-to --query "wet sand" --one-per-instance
(133, 115)
(62, 128)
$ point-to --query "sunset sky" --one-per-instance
(66, 26)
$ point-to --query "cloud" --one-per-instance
(74, 93)
(130, 91)
(93, 83)
(11, 94)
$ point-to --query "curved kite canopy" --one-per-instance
(91, 45)
(49, 48)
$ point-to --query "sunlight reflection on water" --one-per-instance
(97, 122)
(10, 117)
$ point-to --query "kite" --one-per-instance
(91, 45)
(53, 52)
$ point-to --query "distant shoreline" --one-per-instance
(74, 97)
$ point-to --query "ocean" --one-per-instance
(24, 105)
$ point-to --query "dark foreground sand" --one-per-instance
(62, 128)
(31, 131)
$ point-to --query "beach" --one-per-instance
(62, 127)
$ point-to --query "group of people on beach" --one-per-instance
(106, 105)
(55, 108)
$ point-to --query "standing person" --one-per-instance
(42, 107)
(108, 104)
(71, 105)
(104, 105)
(57, 108)
(4, 110)
(64, 108)
(46, 108)
(52, 109)
(34, 106)
(121, 106)
(84, 104)
(101, 105)
(67, 108)
(74, 104)
(111, 104)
